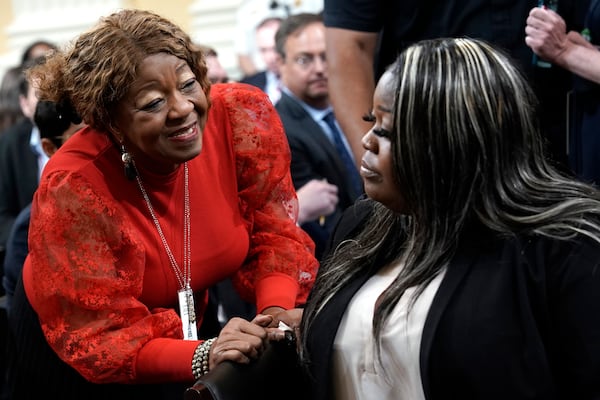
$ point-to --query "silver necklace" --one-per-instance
(184, 278)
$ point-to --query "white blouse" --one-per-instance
(357, 373)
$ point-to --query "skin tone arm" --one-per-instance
(547, 37)
(351, 81)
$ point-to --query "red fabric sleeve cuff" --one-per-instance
(166, 360)
(276, 290)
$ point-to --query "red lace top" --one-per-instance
(98, 275)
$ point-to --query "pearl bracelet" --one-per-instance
(200, 358)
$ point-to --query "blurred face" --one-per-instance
(28, 103)
(216, 73)
(161, 118)
(304, 69)
(376, 166)
(265, 41)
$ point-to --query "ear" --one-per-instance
(48, 147)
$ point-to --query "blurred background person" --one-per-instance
(216, 73)
(249, 15)
(267, 80)
(10, 107)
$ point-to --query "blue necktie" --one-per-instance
(343, 153)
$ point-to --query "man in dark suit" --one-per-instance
(319, 150)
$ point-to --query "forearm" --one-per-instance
(581, 60)
(351, 81)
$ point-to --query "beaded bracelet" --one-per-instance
(200, 358)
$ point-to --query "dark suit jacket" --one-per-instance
(259, 80)
(16, 251)
(18, 174)
(314, 157)
(514, 318)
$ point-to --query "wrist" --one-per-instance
(200, 359)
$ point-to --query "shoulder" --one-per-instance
(352, 220)
(287, 106)
(232, 95)
(259, 79)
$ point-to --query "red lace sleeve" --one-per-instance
(86, 269)
(280, 268)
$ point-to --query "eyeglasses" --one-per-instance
(305, 61)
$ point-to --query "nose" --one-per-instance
(181, 106)
(320, 63)
(369, 141)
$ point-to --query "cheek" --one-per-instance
(391, 190)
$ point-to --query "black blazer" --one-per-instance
(514, 318)
(18, 174)
(259, 80)
(314, 157)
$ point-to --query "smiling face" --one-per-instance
(377, 168)
(162, 117)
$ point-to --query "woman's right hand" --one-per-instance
(240, 340)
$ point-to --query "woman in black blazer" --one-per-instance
(471, 271)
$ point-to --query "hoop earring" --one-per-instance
(128, 164)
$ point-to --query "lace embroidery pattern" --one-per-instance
(266, 191)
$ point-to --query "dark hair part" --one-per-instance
(467, 152)
(94, 75)
(290, 26)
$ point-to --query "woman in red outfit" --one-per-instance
(173, 186)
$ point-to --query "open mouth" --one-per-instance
(185, 134)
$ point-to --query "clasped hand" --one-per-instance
(242, 341)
